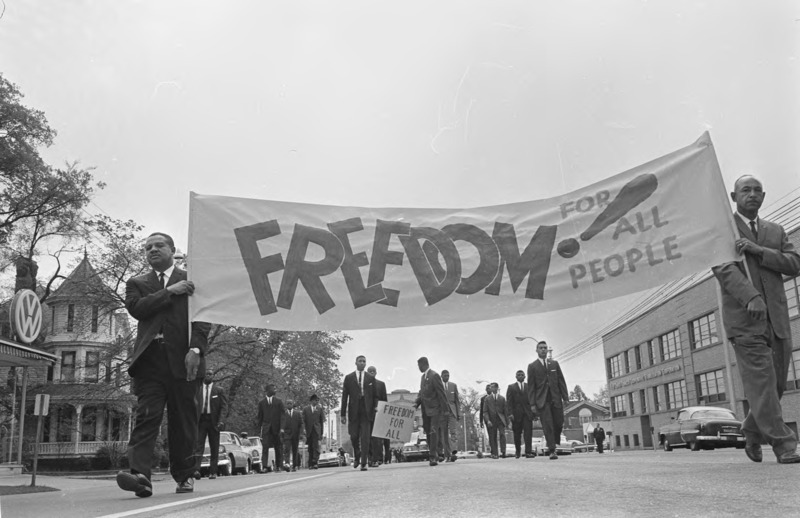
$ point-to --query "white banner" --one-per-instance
(294, 266)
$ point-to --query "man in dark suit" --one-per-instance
(494, 415)
(164, 367)
(599, 436)
(359, 397)
(434, 406)
(548, 394)
(756, 319)
(313, 421)
(292, 431)
(269, 424)
(451, 390)
(483, 398)
(521, 415)
(379, 448)
(213, 404)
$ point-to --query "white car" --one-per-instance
(467, 454)
(256, 454)
(540, 446)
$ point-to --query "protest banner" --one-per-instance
(394, 421)
(302, 267)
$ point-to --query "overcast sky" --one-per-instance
(406, 104)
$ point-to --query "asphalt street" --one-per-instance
(641, 483)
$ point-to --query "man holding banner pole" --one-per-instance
(756, 320)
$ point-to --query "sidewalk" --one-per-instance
(69, 481)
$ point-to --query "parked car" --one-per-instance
(705, 427)
(223, 464)
(332, 459)
(415, 451)
(259, 464)
(580, 447)
(238, 453)
(540, 446)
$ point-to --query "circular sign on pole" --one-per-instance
(26, 316)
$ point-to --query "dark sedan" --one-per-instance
(415, 451)
(702, 427)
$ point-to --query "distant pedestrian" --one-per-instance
(213, 405)
(269, 423)
(496, 418)
(521, 415)
(313, 421)
(378, 447)
(434, 406)
(451, 390)
(292, 431)
(599, 437)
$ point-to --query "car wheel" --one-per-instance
(234, 469)
(667, 445)
(247, 469)
(225, 470)
(694, 445)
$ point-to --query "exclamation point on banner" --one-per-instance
(632, 194)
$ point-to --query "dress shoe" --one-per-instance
(355, 464)
(790, 457)
(196, 475)
(187, 486)
(516, 456)
(212, 476)
(530, 455)
(286, 468)
(753, 452)
(441, 458)
(553, 456)
(453, 458)
(363, 468)
(135, 482)
(434, 463)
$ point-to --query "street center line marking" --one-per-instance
(209, 497)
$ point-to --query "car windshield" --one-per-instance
(713, 413)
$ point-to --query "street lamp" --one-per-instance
(549, 349)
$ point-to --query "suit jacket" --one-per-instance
(540, 380)
(380, 390)
(313, 421)
(480, 414)
(766, 273)
(431, 394)
(451, 391)
(517, 402)
(351, 395)
(292, 424)
(494, 410)
(270, 418)
(599, 434)
(159, 311)
(217, 401)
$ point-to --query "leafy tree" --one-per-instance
(37, 202)
(470, 407)
(577, 394)
(601, 397)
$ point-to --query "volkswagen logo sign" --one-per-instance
(26, 316)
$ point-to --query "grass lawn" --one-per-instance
(24, 489)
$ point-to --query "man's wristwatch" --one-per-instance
(195, 350)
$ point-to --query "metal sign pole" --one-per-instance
(36, 449)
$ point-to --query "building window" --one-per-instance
(95, 311)
(70, 317)
(68, 366)
(617, 438)
(670, 345)
(637, 351)
(703, 331)
(630, 403)
(92, 370)
(711, 387)
(615, 366)
(643, 400)
(675, 394)
(626, 364)
(656, 401)
(619, 406)
(53, 319)
(651, 352)
(794, 372)
(792, 287)
(627, 441)
(636, 439)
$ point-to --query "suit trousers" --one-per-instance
(290, 450)
(207, 429)
(272, 439)
(599, 443)
(452, 428)
(360, 432)
(312, 441)
(523, 428)
(497, 432)
(552, 423)
(444, 437)
(432, 424)
(762, 361)
(180, 397)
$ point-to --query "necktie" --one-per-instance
(360, 386)
(269, 400)
(754, 229)
(521, 388)
(206, 406)
(161, 279)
